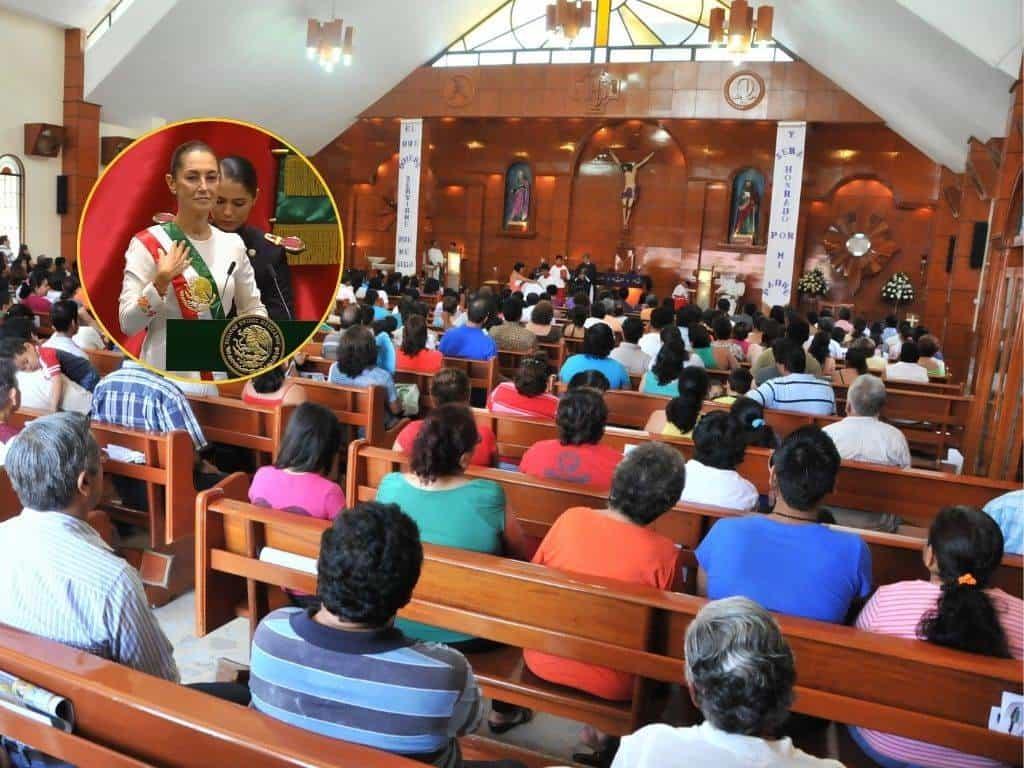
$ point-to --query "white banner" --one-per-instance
(785, 214)
(410, 148)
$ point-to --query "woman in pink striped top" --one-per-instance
(957, 609)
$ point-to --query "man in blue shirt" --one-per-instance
(598, 343)
(787, 561)
(470, 341)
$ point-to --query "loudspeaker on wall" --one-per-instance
(62, 195)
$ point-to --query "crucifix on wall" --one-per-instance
(630, 190)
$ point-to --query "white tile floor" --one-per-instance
(197, 661)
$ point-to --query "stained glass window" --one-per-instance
(620, 30)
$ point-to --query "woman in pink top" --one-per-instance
(302, 480)
(33, 293)
(957, 609)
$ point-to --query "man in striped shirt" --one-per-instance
(343, 670)
(795, 390)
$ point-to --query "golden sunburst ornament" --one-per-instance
(858, 249)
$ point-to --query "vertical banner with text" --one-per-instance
(785, 213)
(410, 149)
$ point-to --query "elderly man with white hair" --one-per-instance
(861, 436)
(740, 672)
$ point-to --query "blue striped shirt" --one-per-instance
(376, 687)
(136, 398)
(60, 581)
(801, 392)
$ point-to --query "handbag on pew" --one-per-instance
(409, 397)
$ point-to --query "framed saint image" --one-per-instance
(746, 208)
(210, 250)
(519, 203)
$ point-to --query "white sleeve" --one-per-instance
(247, 294)
(139, 301)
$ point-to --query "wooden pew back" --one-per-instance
(900, 686)
(105, 360)
(258, 428)
(167, 473)
(357, 407)
(128, 719)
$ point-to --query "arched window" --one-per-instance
(12, 199)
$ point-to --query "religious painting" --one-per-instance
(746, 207)
(518, 197)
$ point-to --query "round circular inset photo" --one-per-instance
(210, 250)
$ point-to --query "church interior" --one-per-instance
(802, 171)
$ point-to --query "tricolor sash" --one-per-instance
(195, 288)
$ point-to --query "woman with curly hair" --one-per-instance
(614, 543)
(357, 365)
(577, 456)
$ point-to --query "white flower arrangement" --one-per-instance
(812, 283)
(898, 289)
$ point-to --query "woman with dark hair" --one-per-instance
(722, 346)
(856, 363)
(928, 349)
(592, 379)
(819, 350)
(10, 401)
(700, 340)
(451, 385)
(274, 388)
(711, 476)
(541, 323)
(615, 543)
(239, 188)
(740, 345)
(683, 411)
(304, 476)
(451, 509)
(357, 365)
(756, 430)
(956, 608)
(33, 292)
(413, 354)
(663, 378)
(577, 456)
(186, 269)
(527, 395)
(778, 314)
(598, 342)
(575, 329)
(517, 277)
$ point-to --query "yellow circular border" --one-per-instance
(334, 207)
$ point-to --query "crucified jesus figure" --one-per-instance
(629, 186)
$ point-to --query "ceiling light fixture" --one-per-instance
(329, 42)
(566, 19)
(740, 31)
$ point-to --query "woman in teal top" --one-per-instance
(663, 378)
(451, 509)
(700, 340)
(598, 342)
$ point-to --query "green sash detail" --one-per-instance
(196, 262)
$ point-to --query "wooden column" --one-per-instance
(994, 433)
(80, 153)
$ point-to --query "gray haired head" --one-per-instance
(740, 667)
(46, 458)
(866, 395)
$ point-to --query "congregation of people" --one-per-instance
(344, 664)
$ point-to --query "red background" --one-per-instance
(133, 190)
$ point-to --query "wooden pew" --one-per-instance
(167, 473)
(510, 360)
(357, 407)
(627, 408)
(483, 374)
(105, 360)
(10, 505)
(900, 686)
(257, 428)
(537, 503)
(423, 381)
(128, 719)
